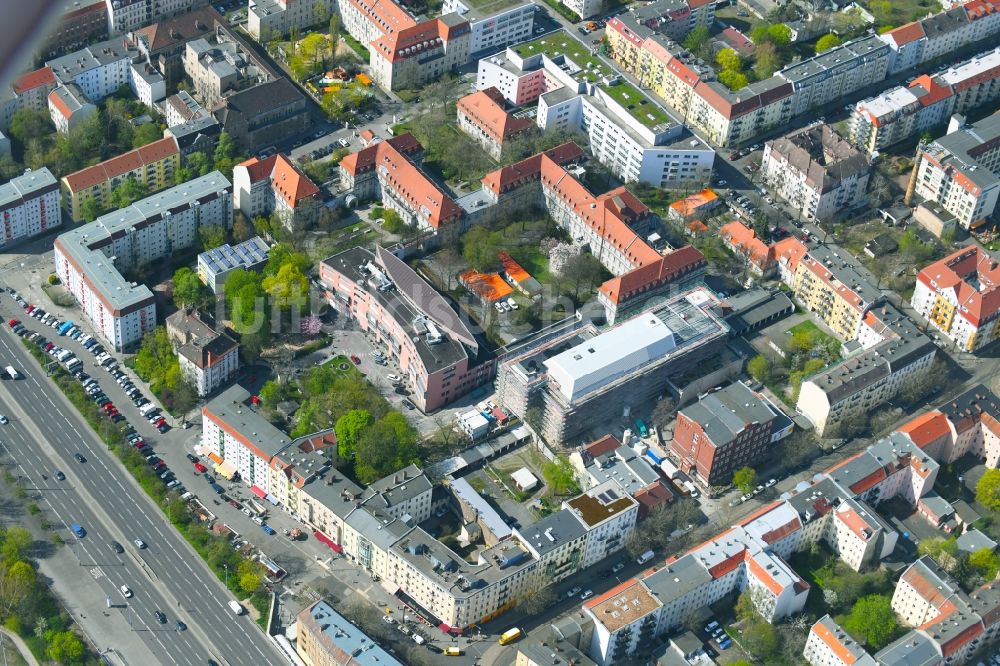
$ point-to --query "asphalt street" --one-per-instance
(44, 434)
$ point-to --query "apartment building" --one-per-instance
(937, 35)
(163, 42)
(960, 297)
(80, 24)
(819, 174)
(420, 54)
(893, 349)
(558, 542)
(582, 378)
(613, 226)
(127, 15)
(29, 205)
(627, 131)
(153, 166)
(274, 185)
(215, 265)
(238, 439)
(482, 116)
(101, 69)
(265, 115)
(744, 242)
(207, 356)
(182, 108)
(608, 459)
(673, 19)
(960, 172)
(829, 645)
(490, 32)
(218, 67)
(729, 118)
(89, 258)
(584, 8)
(608, 515)
(726, 429)
(69, 107)
(390, 170)
(28, 91)
(439, 358)
(273, 19)
(904, 112)
(324, 637)
(900, 113)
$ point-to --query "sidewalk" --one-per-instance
(21, 646)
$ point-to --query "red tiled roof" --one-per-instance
(57, 101)
(741, 238)
(926, 428)
(841, 651)
(116, 166)
(364, 160)
(960, 273)
(31, 80)
(485, 110)
(905, 34)
(935, 91)
(291, 184)
(605, 444)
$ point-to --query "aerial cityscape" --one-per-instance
(500, 333)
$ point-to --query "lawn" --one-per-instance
(813, 331)
(640, 106)
(487, 7)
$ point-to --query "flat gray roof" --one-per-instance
(553, 531)
(230, 408)
(84, 243)
(677, 579)
(726, 412)
(227, 257)
(344, 641)
(26, 186)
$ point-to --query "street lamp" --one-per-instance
(226, 567)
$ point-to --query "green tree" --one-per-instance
(759, 368)
(560, 477)
(988, 489)
(729, 59)
(225, 153)
(334, 28)
(349, 428)
(290, 287)
(188, 289)
(15, 543)
(745, 478)
(872, 621)
(128, 192)
(766, 60)
(147, 133)
(985, 562)
(200, 164)
(89, 209)
(64, 647)
(241, 229)
(393, 222)
(481, 247)
(761, 639)
(9, 168)
(780, 34)
(211, 236)
(697, 38)
(28, 124)
(827, 42)
(282, 254)
(732, 79)
(386, 446)
(250, 574)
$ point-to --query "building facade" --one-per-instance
(725, 430)
(960, 297)
(207, 356)
(29, 205)
(89, 259)
(482, 116)
(275, 185)
(959, 171)
(127, 15)
(816, 172)
(272, 19)
(153, 166)
(440, 359)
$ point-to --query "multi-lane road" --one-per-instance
(43, 436)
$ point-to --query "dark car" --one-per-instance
(117, 547)
(160, 617)
(59, 475)
(192, 458)
(181, 626)
(209, 478)
(409, 405)
(163, 428)
(79, 458)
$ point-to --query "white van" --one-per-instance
(147, 408)
(236, 608)
(645, 557)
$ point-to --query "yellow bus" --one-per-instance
(510, 636)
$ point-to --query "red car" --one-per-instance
(29, 309)
(159, 422)
(14, 322)
(108, 406)
(355, 360)
(201, 469)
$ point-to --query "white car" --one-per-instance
(126, 592)
(394, 378)
(140, 544)
(388, 619)
(586, 595)
(575, 591)
(511, 303)
(3, 420)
